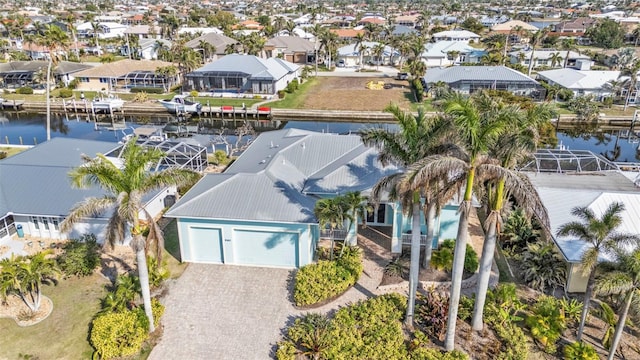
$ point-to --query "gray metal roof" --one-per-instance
(63, 67)
(274, 179)
(476, 73)
(59, 151)
(249, 64)
(600, 181)
(579, 79)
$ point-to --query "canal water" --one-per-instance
(31, 129)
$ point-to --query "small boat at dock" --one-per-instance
(107, 104)
(180, 105)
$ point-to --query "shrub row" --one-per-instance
(25, 90)
(148, 90)
(326, 279)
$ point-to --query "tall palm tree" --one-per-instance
(632, 72)
(568, 44)
(601, 237)
(95, 27)
(465, 166)
(534, 40)
(359, 45)
(124, 189)
(378, 52)
(55, 40)
(357, 207)
(70, 20)
(416, 138)
(625, 280)
(516, 143)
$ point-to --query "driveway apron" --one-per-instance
(224, 312)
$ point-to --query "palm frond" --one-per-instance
(90, 207)
(616, 282)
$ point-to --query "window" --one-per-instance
(56, 225)
(35, 222)
(377, 216)
(45, 222)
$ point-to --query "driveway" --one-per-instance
(224, 312)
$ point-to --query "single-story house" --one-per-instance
(456, 35)
(411, 20)
(581, 82)
(36, 193)
(143, 32)
(468, 79)
(350, 54)
(450, 52)
(121, 75)
(260, 211)
(17, 74)
(293, 49)
(238, 74)
(542, 57)
(562, 191)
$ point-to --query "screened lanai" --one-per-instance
(178, 154)
(147, 79)
(564, 160)
(16, 79)
(219, 81)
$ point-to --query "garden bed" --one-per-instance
(17, 310)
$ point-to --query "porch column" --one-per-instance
(396, 229)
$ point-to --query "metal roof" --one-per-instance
(65, 152)
(476, 73)
(579, 79)
(565, 160)
(274, 179)
(248, 64)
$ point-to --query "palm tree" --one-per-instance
(356, 205)
(32, 272)
(331, 213)
(516, 143)
(625, 280)
(124, 188)
(535, 40)
(568, 44)
(207, 49)
(95, 26)
(359, 45)
(55, 40)
(416, 138)
(465, 166)
(378, 51)
(70, 20)
(556, 59)
(632, 72)
(601, 237)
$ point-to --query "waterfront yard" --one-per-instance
(350, 93)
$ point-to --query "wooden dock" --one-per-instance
(12, 104)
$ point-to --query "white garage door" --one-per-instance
(251, 247)
(205, 245)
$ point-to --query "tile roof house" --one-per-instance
(561, 192)
(36, 194)
(220, 42)
(293, 49)
(507, 27)
(243, 74)
(469, 79)
(260, 211)
(346, 34)
(581, 82)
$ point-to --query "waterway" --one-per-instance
(31, 129)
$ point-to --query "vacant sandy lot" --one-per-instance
(351, 93)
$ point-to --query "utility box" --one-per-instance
(20, 231)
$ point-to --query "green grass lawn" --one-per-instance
(295, 100)
(10, 150)
(172, 254)
(64, 334)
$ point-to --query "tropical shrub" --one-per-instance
(432, 310)
(543, 268)
(370, 329)
(157, 273)
(325, 279)
(3, 155)
(547, 322)
(514, 342)
(442, 259)
(465, 308)
(607, 315)
(292, 86)
(580, 351)
(148, 90)
(518, 231)
(25, 90)
(423, 353)
(65, 93)
(141, 97)
(501, 313)
(397, 267)
(117, 334)
(572, 309)
(80, 257)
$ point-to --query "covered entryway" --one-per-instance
(266, 248)
(204, 245)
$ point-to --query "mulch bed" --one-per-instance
(15, 308)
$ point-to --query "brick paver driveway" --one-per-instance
(224, 312)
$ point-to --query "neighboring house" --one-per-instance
(17, 74)
(377, 20)
(469, 79)
(410, 21)
(598, 184)
(508, 27)
(198, 30)
(260, 211)
(148, 48)
(346, 34)
(456, 35)
(237, 74)
(350, 54)
(581, 82)
(449, 52)
(120, 75)
(220, 42)
(36, 193)
(292, 49)
(143, 32)
(107, 30)
(542, 57)
(574, 27)
(490, 21)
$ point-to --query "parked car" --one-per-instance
(341, 63)
(402, 76)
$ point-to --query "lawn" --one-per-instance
(296, 100)
(172, 253)
(63, 335)
(10, 150)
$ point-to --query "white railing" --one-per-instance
(406, 239)
(336, 235)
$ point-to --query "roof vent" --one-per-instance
(304, 146)
(263, 161)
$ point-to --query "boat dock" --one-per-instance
(11, 104)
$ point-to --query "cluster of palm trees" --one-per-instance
(25, 275)
(469, 150)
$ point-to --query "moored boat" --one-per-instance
(180, 105)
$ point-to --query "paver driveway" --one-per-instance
(224, 312)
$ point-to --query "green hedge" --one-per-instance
(148, 90)
(442, 259)
(65, 93)
(25, 90)
(117, 334)
(326, 279)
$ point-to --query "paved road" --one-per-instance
(224, 312)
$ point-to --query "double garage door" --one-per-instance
(246, 247)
